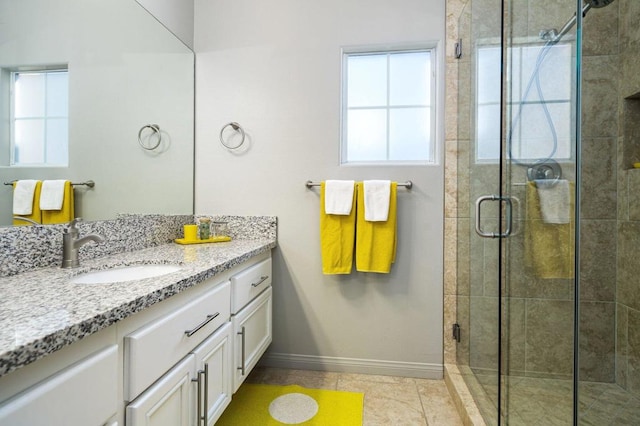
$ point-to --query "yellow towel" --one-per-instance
(36, 214)
(64, 215)
(549, 248)
(337, 233)
(376, 241)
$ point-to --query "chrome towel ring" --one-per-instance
(235, 126)
(156, 131)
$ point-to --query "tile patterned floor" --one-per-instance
(387, 400)
(549, 402)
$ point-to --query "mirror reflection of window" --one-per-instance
(40, 118)
(532, 131)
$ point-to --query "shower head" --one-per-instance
(553, 36)
(599, 3)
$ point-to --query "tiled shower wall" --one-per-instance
(611, 143)
(454, 9)
(628, 224)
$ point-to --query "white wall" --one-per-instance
(176, 15)
(274, 67)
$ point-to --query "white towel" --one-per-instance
(555, 200)
(338, 197)
(52, 194)
(23, 197)
(377, 194)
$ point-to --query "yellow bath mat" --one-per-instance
(256, 404)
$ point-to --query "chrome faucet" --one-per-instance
(71, 244)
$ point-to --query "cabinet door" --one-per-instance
(83, 394)
(213, 356)
(252, 329)
(168, 401)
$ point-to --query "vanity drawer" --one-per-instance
(85, 393)
(151, 350)
(249, 283)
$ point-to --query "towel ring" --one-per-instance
(156, 131)
(235, 126)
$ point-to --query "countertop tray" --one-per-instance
(210, 240)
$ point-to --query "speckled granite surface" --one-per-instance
(24, 248)
(41, 311)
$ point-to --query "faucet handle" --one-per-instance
(72, 225)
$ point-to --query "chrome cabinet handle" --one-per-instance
(205, 417)
(243, 334)
(508, 214)
(198, 381)
(209, 318)
(262, 279)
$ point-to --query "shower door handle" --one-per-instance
(508, 216)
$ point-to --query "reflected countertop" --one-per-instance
(42, 311)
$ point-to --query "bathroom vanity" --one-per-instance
(171, 349)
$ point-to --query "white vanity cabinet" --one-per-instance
(177, 362)
(83, 394)
(194, 392)
(152, 350)
(178, 371)
(251, 317)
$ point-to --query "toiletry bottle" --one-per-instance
(205, 228)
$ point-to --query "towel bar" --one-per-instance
(88, 183)
(408, 184)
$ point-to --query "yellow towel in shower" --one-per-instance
(36, 214)
(337, 234)
(376, 241)
(66, 213)
(549, 248)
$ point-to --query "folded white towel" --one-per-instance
(555, 200)
(52, 194)
(23, 197)
(377, 194)
(338, 197)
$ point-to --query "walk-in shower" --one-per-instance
(548, 307)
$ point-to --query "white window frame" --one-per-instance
(12, 117)
(432, 48)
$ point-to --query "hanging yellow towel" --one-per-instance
(337, 234)
(36, 214)
(549, 248)
(376, 241)
(66, 213)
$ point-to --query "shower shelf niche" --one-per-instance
(631, 131)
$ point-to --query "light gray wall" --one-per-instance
(176, 15)
(274, 67)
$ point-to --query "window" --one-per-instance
(388, 106)
(39, 118)
(540, 126)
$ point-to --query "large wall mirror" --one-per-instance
(125, 71)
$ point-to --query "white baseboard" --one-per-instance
(353, 365)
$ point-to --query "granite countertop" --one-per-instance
(42, 311)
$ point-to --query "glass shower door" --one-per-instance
(479, 168)
(517, 138)
(539, 154)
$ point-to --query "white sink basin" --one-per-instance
(124, 273)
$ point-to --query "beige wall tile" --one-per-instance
(549, 341)
(599, 178)
(598, 260)
(597, 341)
(622, 325)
